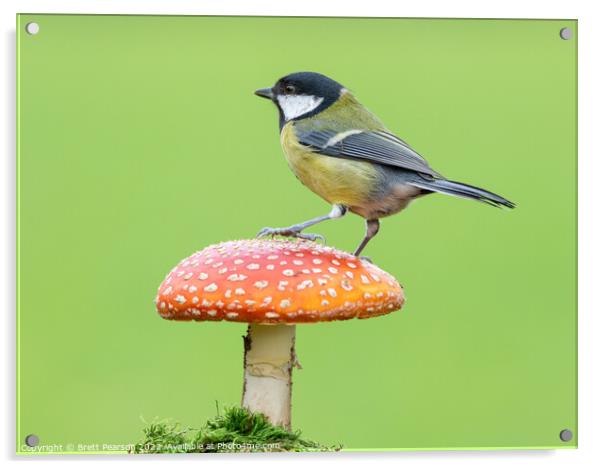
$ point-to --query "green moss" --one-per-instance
(236, 431)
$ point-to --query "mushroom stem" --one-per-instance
(269, 359)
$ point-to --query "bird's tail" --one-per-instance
(460, 189)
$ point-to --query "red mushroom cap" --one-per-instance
(276, 281)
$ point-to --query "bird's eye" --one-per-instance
(289, 89)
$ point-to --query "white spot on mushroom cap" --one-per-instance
(211, 287)
(180, 299)
(253, 266)
(239, 291)
(237, 277)
(195, 299)
(261, 284)
(232, 315)
(288, 272)
(305, 284)
(212, 312)
(332, 292)
(203, 276)
(271, 315)
(267, 300)
(285, 303)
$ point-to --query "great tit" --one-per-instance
(343, 153)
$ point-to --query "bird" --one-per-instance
(343, 153)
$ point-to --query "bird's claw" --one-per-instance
(265, 232)
(311, 237)
(289, 233)
(367, 259)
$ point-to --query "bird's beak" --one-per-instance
(265, 93)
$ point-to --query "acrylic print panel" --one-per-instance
(140, 142)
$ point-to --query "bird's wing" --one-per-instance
(377, 146)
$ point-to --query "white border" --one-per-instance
(590, 233)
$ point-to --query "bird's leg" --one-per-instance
(372, 227)
(295, 231)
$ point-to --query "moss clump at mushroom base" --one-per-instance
(236, 431)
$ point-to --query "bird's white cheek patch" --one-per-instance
(295, 106)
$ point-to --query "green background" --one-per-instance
(140, 141)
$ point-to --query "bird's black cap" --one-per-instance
(308, 83)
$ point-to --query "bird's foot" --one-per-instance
(366, 258)
(289, 232)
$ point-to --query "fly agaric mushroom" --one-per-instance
(273, 285)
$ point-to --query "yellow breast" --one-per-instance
(336, 180)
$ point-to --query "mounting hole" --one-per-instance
(566, 435)
(32, 440)
(32, 28)
(566, 33)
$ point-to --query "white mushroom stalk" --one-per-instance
(268, 367)
(273, 285)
